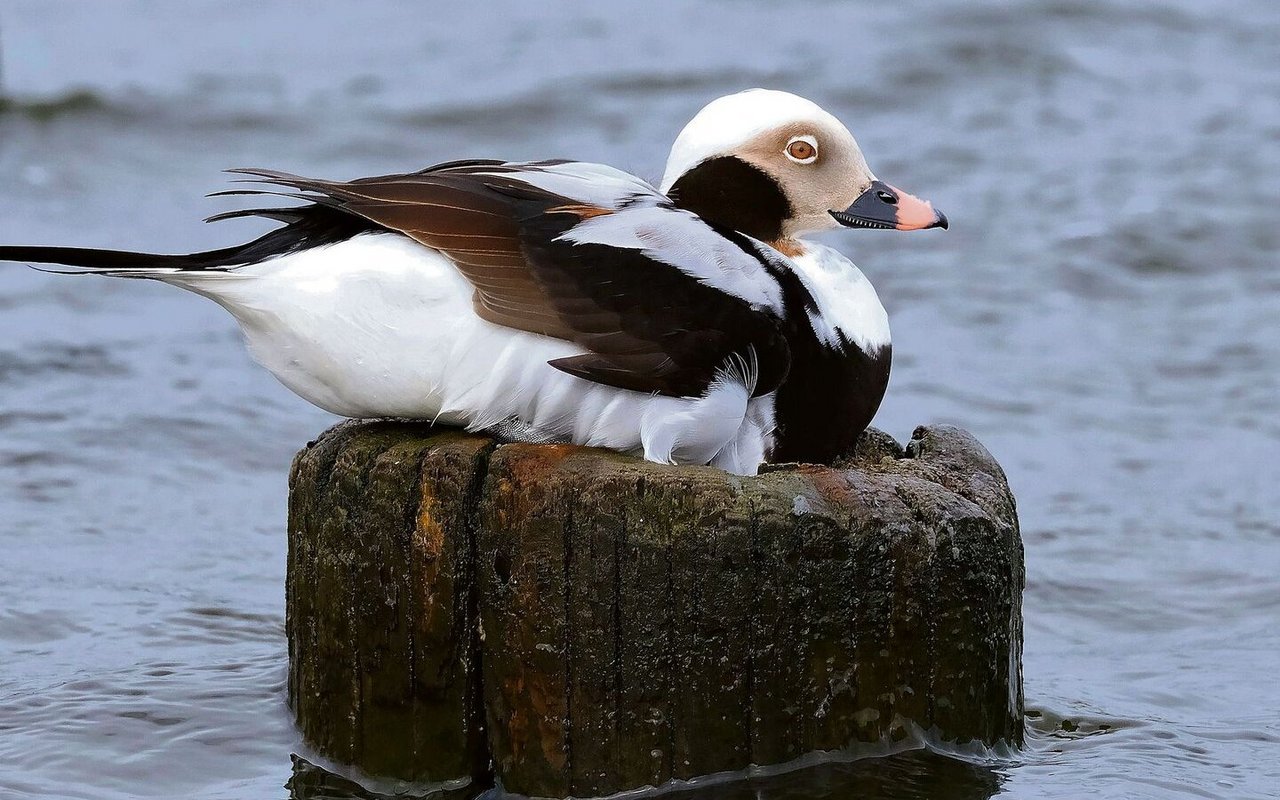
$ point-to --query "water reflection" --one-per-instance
(313, 782)
(914, 775)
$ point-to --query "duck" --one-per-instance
(572, 302)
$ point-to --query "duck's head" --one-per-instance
(774, 166)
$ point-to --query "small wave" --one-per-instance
(219, 107)
(708, 83)
(87, 360)
(73, 103)
(1044, 723)
(1181, 242)
(37, 627)
(530, 110)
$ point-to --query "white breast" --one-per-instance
(847, 302)
(381, 326)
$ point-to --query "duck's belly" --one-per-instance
(381, 326)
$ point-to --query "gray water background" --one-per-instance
(1103, 314)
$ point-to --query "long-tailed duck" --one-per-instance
(569, 301)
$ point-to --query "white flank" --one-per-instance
(381, 326)
(754, 440)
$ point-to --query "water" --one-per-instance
(1102, 315)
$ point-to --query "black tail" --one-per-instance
(305, 227)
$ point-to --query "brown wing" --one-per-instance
(648, 325)
(467, 218)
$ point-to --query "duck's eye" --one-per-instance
(802, 150)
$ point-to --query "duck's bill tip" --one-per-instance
(915, 214)
(889, 208)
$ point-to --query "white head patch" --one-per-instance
(728, 122)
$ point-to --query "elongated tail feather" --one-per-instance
(121, 263)
(307, 226)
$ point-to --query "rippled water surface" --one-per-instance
(1103, 315)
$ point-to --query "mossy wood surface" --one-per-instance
(582, 622)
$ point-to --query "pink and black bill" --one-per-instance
(886, 207)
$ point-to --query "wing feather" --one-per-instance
(622, 290)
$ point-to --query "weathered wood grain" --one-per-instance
(588, 622)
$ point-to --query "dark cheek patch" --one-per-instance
(728, 191)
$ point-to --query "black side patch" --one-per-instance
(829, 398)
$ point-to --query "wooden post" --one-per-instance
(590, 623)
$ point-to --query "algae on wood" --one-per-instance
(381, 613)
(618, 623)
